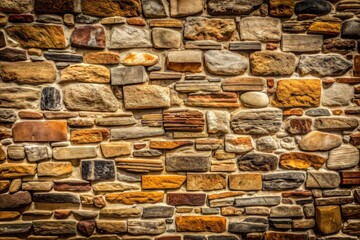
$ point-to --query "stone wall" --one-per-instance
(179, 119)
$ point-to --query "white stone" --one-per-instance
(264, 29)
(125, 36)
(337, 94)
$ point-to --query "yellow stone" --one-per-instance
(54, 169)
(169, 144)
(87, 73)
(130, 198)
(325, 28)
(162, 181)
(200, 224)
(80, 136)
(14, 170)
(300, 160)
(245, 181)
(328, 219)
(4, 185)
(9, 215)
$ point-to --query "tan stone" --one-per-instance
(245, 181)
(139, 59)
(269, 63)
(115, 149)
(81, 136)
(102, 58)
(28, 72)
(328, 219)
(181, 8)
(162, 181)
(106, 226)
(40, 131)
(113, 187)
(86, 73)
(168, 145)
(319, 141)
(19, 97)
(37, 186)
(4, 185)
(152, 96)
(54, 169)
(225, 195)
(200, 224)
(206, 182)
(9, 215)
(298, 93)
(14, 170)
(185, 61)
(300, 160)
(130, 198)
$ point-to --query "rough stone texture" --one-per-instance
(232, 7)
(337, 94)
(283, 180)
(205, 182)
(88, 37)
(322, 180)
(166, 38)
(181, 8)
(86, 73)
(261, 29)
(129, 37)
(301, 43)
(225, 63)
(162, 182)
(200, 224)
(11, 6)
(328, 219)
(343, 157)
(97, 170)
(268, 63)
(151, 97)
(257, 162)
(110, 8)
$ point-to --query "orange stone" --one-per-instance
(27, 114)
(40, 131)
(325, 28)
(102, 58)
(293, 112)
(110, 150)
(130, 198)
(162, 181)
(200, 224)
(95, 135)
(300, 160)
(225, 195)
(9, 215)
(137, 21)
(14, 170)
(169, 144)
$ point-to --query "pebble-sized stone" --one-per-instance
(254, 99)
(322, 179)
(200, 224)
(166, 38)
(343, 157)
(158, 212)
(125, 36)
(98, 170)
(225, 62)
(128, 75)
(249, 225)
(182, 8)
(238, 144)
(232, 7)
(205, 182)
(153, 96)
(264, 29)
(319, 7)
(319, 141)
(269, 63)
(337, 94)
(283, 180)
(351, 29)
(328, 219)
(301, 43)
(154, 8)
(50, 99)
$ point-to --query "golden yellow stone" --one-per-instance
(9, 215)
(245, 181)
(328, 219)
(55, 169)
(300, 160)
(80, 136)
(325, 28)
(200, 224)
(162, 181)
(169, 144)
(14, 170)
(130, 198)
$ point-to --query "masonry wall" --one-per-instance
(179, 119)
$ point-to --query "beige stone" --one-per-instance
(54, 169)
(86, 73)
(245, 181)
(152, 96)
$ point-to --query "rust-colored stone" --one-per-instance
(106, 58)
(162, 181)
(168, 145)
(95, 135)
(109, 8)
(190, 199)
(200, 224)
(28, 114)
(298, 125)
(130, 198)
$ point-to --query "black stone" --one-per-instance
(351, 29)
(215, 237)
(158, 212)
(283, 180)
(14, 228)
(7, 116)
(12, 55)
(194, 237)
(249, 225)
(2, 39)
(258, 162)
(56, 198)
(320, 7)
(98, 170)
(50, 99)
(282, 223)
(54, 6)
(63, 57)
(81, 18)
(21, 18)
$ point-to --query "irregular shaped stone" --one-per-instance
(285, 235)
(185, 61)
(102, 58)
(319, 141)
(89, 97)
(12, 6)
(205, 182)
(147, 153)
(182, 8)
(37, 186)
(120, 212)
(97, 170)
(245, 181)
(267, 63)
(298, 93)
(350, 29)
(111, 8)
(218, 121)
(166, 38)
(19, 97)
(90, 36)
(130, 198)
(16, 200)
(249, 225)
(125, 36)
(352, 227)
(190, 199)
(200, 224)
(324, 65)
(139, 59)
(241, 84)
(28, 72)
(343, 157)
(254, 99)
(158, 212)
(128, 75)
(336, 123)
(225, 62)
(63, 57)
(281, 8)
(328, 219)
(40, 131)
(12, 54)
(298, 125)
(115, 149)
(200, 28)
(322, 179)
(238, 144)
(7, 116)
(38, 36)
(300, 160)
(258, 201)
(301, 43)
(232, 7)
(320, 7)
(13, 229)
(86, 73)
(154, 8)
(69, 153)
(135, 132)
(283, 180)
(264, 29)
(337, 95)
(187, 162)
(286, 211)
(106, 226)
(331, 27)
(162, 182)
(81, 18)
(266, 144)
(259, 121)
(48, 227)
(9, 215)
(54, 169)
(50, 99)
(153, 96)
(56, 198)
(140, 227)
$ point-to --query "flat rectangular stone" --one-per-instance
(190, 199)
(56, 198)
(48, 227)
(204, 45)
(165, 76)
(98, 170)
(128, 75)
(206, 182)
(14, 228)
(152, 96)
(135, 132)
(139, 165)
(173, 23)
(185, 61)
(214, 100)
(40, 131)
(258, 201)
(245, 46)
(333, 201)
(240, 84)
(301, 43)
(69, 153)
(184, 120)
(188, 163)
(63, 57)
(195, 86)
(19, 97)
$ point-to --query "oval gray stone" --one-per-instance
(225, 62)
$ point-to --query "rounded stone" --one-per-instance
(225, 62)
(254, 99)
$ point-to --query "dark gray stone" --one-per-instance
(98, 170)
(57, 227)
(14, 228)
(315, 112)
(50, 99)
(56, 198)
(194, 237)
(12, 54)
(232, 7)
(63, 57)
(258, 162)
(188, 162)
(258, 201)
(81, 18)
(16, 200)
(7, 116)
(147, 153)
(320, 7)
(158, 212)
(49, 19)
(333, 201)
(153, 8)
(249, 225)
(222, 238)
(351, 29)
(283, 223)
(283, 180)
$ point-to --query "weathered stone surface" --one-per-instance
(11, 6)
(14, 228)
(13, 170)
(47, 227)
(254, 99)
(7, 116)
(169, 144)
(15, 152)
(56, 198)
(337, 94)
(147, 153)
(63, 6)
(300, 160)
(140, 227)
(111, 8)
(283, 180)
(98, 170)
(71, 185)
(54, 169)
(158, 212)
(108, 226)
(183, 120)
(259, 121)
(238, 144)
(218, 121)
(63, 57)
(328, 219)
(125, 36)
(200, 28)
(128, 75)
(215, 100)
(285, 235)
(38, 36)
(324, 65)
(343, 157)
(135, 132)
(241, 84)
(152, 96)
(350, 29)
(185, 61)
(280, 8)
(286, 211)
(50, 99)
(322, 179)
(130, 198)
(139, 59)
(264, 29)
(86, 73)
(352, 227)
(102, 58)
(12, 54)
(190, 199)
(298, 125)
(319, 141)
(336, 123)
(16, 200)
(200, 224)
(181, 8)
(162, 182)
(258, 201)
(96, 135)
(338, 45)
(205, 182)
(225, 62)
(330, 26)
(44, 131)
(154, 8)
(115, 149)
(28, 73)
(37, 186)
(19, 97)
(257, 162)
(166, 38)
(91, 36)
(249, 225)
(89, 97)
(245, 181)
(267, 63)
(301, 43)
(120, 212)
(319, 7)
(232, 7)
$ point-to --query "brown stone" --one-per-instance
(162, 182)
(102, 58)
(298, 93)
(14, 170)
(356, 66)
(96, 135)
(38, 36)
(328, 219)
(54, 169)
(205, 182)
(139, 59)
(16, 200)
(298, 125)
(40, 131)
(171, 23)
(200, 224)
(89, 36)
(109, 8)
(225, 195)
(115, 149)
(269, 63)
(72, 185)
(184, 120)
(301, 160)
(190, 199)
(245, 181)
(285, 236)
(139, 165)
(297, 193)
(137, 21)
(19, 97)
(215, 100)
(152, 96)
(293, 112)
(54, 6)
(168, 145)
(281, 8)
(319, 141)
(9, 215)
(28, 114)
(28, 72)
(86, 228)
(86, 73)
(242, 84)
(130, 198)
(325, 28)
(339, 45)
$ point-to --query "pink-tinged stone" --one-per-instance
(92, 36)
